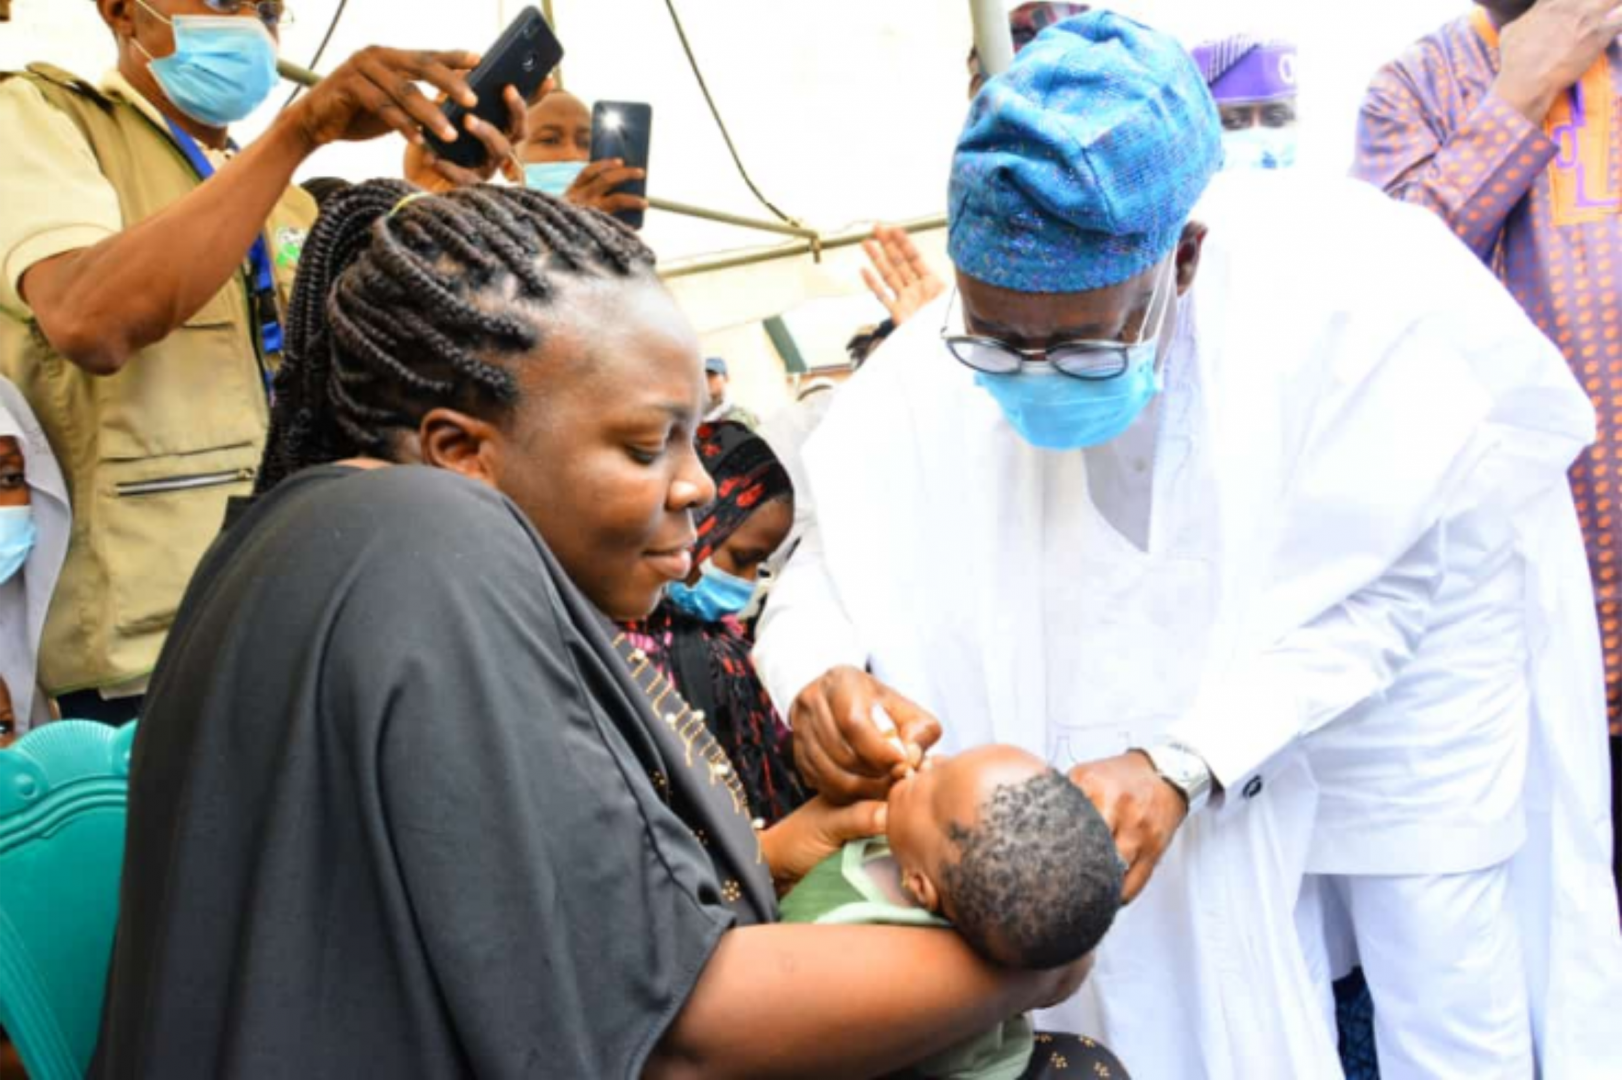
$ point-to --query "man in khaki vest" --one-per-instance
(145, 268)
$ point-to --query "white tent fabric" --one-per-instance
(844, 112)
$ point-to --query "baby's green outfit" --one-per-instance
(839, 891)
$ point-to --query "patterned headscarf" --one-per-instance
(747, 476)
(1081, 163)
(709, 661)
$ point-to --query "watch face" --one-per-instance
(1183, 770)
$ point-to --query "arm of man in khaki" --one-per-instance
(55, 196)
(101, 292)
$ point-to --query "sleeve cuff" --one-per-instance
(38, 248)
(1240, 732)
(1528, 138)
(785, 673)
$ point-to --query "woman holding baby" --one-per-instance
(402, 803)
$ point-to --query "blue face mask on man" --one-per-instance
(1259, 148)
(1054, 411)
(552, 177)
(222, 69)
(17, 536)
(717, 594)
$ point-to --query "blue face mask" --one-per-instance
(1055, 411)
(222, 69)
(1259, 148)
(717, 593)
(1052, 411)
(552, 177)
(17, 536)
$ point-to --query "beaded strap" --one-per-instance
(700, 747)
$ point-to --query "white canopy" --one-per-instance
(845, 113)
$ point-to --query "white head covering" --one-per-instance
(26, 597)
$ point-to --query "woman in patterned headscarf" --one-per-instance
(695, 636)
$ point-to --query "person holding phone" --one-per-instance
(145, 265)
(555, 157)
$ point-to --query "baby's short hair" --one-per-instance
(1038, 879)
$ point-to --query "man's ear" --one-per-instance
(1189, 248)
(452, 440)
(922, 889)
(119, 15)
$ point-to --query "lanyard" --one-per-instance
(264, 307)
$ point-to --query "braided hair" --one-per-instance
(405, 303)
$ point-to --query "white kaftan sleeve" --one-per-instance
(805, 630)
(1315, 674)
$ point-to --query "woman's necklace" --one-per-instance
(700, 747)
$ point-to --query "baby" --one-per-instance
(996, 844)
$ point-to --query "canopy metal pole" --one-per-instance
(811, 242)
(551, 20)
(992, 38)
(793, 251)
(731, 219)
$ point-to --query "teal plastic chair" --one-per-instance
(63, 791)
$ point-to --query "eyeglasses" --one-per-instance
(272, 13)
(1094, 361)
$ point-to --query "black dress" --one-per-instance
(385, 732)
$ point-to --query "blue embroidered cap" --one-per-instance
(1081, 163)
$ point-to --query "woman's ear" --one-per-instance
(447, 439)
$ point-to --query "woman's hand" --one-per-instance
(814, 832)
(838, 747)
(432, 173)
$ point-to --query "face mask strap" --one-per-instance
(1155, 299)
(155, 13)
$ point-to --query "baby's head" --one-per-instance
(1012, 853)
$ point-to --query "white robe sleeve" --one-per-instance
(1316, 673)
(805, 630)
(1416, 414)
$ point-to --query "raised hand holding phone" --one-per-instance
(621, 131)
(521, 58)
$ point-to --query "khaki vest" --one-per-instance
(152, 453)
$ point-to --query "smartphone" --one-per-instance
(623, 129)
(522, 57)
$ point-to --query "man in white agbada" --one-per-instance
(1211, 545)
